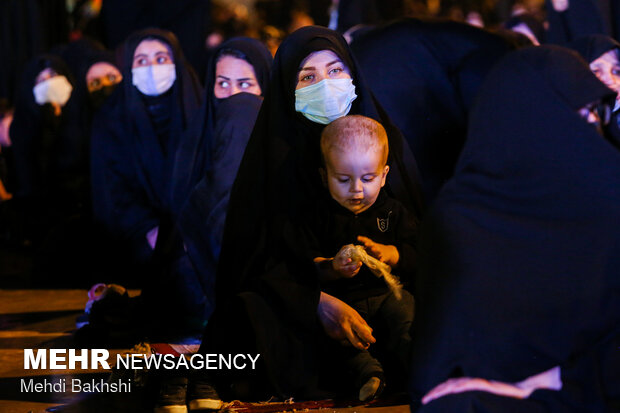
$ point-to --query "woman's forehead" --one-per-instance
(319, 58)
(609, 57)
(152, 46)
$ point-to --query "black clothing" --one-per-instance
(389, 223)
(386, 222)
(517, 259)
(136, 140)
(390, 319)
(582, 18)
(593, 46)
(132, 169)
(426, 75)
(201, 220)
(80, 55)
(50, 152)
(215, 142)
(261, 261)
(201, 140)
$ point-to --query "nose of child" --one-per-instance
(356, 186)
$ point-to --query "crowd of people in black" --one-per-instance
(223, 157)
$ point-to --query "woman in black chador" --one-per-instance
(267, 293)
(518, 272)
(136, 138)
(237, 76)
(51, 156)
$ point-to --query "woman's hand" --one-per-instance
(384, 253)
(343, 323)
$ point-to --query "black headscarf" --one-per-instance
(199, 138)
(50, 152)
(581, 18)
(426, 75)
(277, 180)
(133, 154)
(519, 263)
(593, 46)
(282, 158)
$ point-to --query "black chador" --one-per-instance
(518, 262)
(263, 276)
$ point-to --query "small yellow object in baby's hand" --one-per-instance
(380, 269)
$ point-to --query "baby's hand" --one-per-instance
(384, 253)
(345, 266)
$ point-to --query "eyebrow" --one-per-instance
(239, 79)
(314, 68)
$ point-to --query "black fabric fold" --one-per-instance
(518, 260)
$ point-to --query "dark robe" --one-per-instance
(134, 147)
(581, 18)
(518, 267)
(426, 75)
(50, 151)
(262, 271)
(200, 139)
(216, 141)
(591, 48)
(201, 221)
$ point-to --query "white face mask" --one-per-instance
(325, 101)
(56, 89)
(155, 79)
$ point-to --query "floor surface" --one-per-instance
(44, 319)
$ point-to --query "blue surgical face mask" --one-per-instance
(154, 80)
(325, 101)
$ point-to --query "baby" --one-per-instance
(355, 154)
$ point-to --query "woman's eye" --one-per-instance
(244, 85)
(95, 83)
(615, 71)
(111, 78)
(224, 84)
(162, 60)
(141, 61)
(307, 78)
(335, 70)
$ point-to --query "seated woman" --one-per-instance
(51, 164)
(137, 137)
(518, 263)
(267, 294)
(237, 77)
(603, 54)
